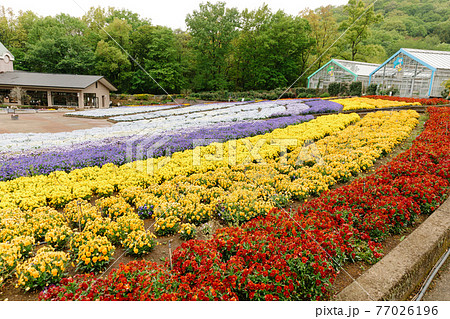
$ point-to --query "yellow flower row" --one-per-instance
(59, 188)
(241, 192)
(357, 103)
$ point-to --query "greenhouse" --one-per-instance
(341, 71)
(413, 73)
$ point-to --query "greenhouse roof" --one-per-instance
(435, 59)
(353, 67)
(358, 68)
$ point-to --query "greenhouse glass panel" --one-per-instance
(331, 72)
(404, 75)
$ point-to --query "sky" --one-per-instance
(170, 13)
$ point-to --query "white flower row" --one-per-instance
(123, 110)
(236, 111)
(17, 142)
(171, 109)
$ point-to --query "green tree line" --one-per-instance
(223, 48)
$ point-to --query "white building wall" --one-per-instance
(6, 63)
(101, 92)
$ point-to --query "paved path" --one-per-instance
(440, 287)
(47, 123)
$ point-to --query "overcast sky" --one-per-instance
(169, 13)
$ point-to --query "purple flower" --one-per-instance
(117, 150)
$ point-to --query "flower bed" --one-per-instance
(124, 110)
(323, 106)
(234, 195)
(237, 194)
(363, 103)
(277, 257)
(114, 150)
(59, 188)
(422, 101)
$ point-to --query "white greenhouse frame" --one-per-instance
(341, 71)
(414, 73)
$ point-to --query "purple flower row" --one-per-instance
(322, 106)
(124, 149)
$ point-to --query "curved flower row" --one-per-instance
(358, 103)
(58, 188)
(290, 255)
(118, 151)
(423, 101)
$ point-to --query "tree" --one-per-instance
(212, 28)
(117, 33)
(6, 21)
(271, 50)
(132, 18)
(57, 45)
(155, 48)
(14, 30)
(20, 95)
(111, 53)
(358, 22)
(323, 30)
(113, 63)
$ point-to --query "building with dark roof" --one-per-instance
(45, 89)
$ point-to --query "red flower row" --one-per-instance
(423, 101)
(290, 255)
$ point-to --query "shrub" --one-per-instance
(167, 226)
(356, 88)
(9, 256)
(187, 231)
(334, 88)
(79, 212)
(25, 245)
(114, 206)
(372, 89)
(58, 237)
(344, 89)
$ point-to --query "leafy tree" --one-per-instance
(57, 45)
(132, 18)
(6, 21)
(271, 50)
(113, 63)
(117, 33)
(212, 28)
(155, 49)
(15, 30)
(358, 22)
(323, 30)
